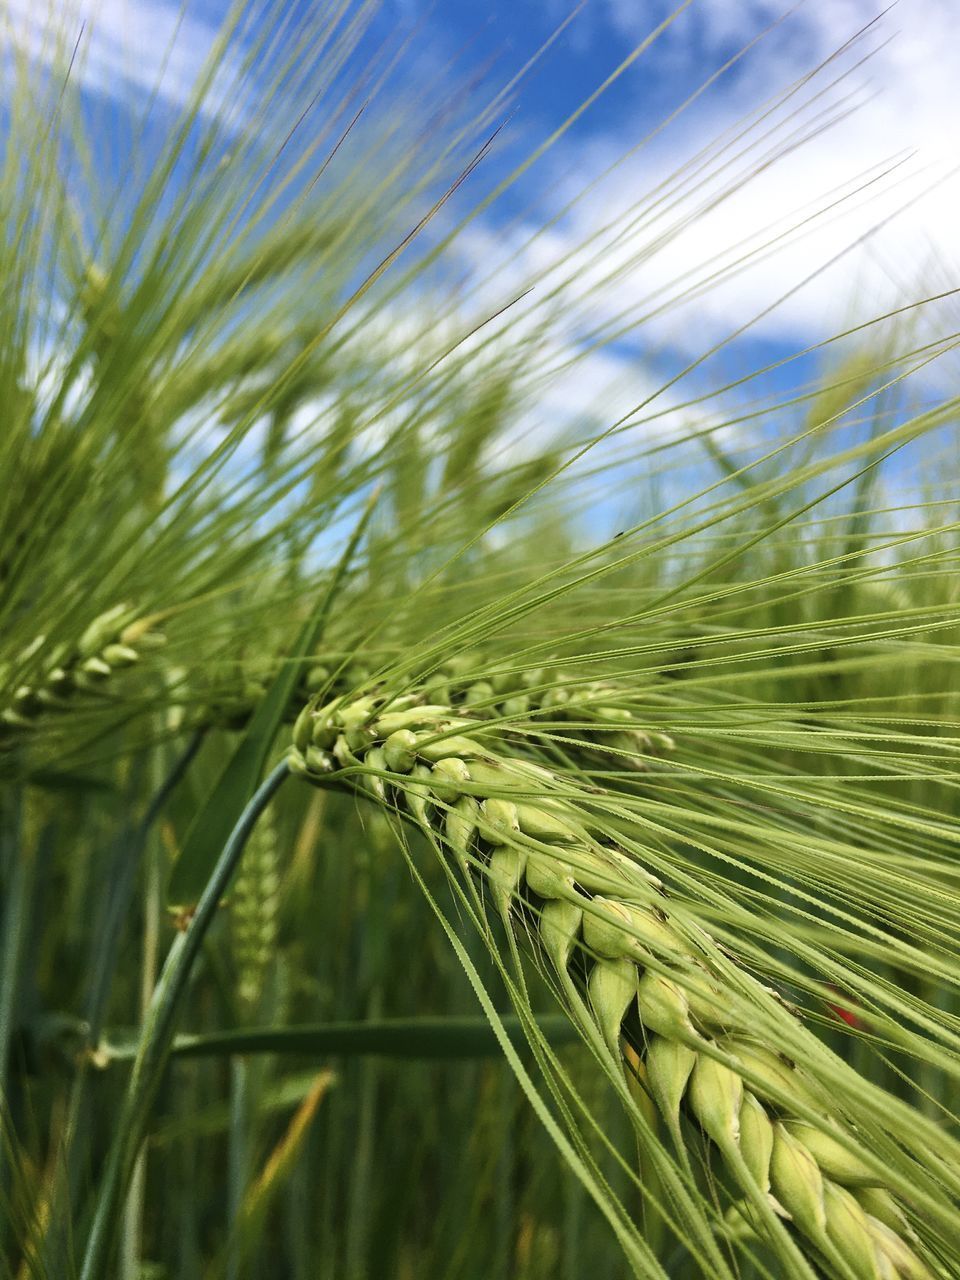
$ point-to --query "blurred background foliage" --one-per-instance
(205, 382)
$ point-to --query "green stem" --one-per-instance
(130, 853)
(18, 864)
(127, 855)
(133, 1213)
(157, 1034)
(16, 875)
(238, 1161)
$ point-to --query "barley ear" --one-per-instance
(597, 928)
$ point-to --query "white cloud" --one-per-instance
(126, 47)
(642, 268)
(884, 234)
(871, 235)
(908, 96)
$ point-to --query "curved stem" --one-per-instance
(133, 842)
(157, 1034)
(127, 853)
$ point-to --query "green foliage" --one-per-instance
(249, 411)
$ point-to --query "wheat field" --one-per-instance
(447, 830)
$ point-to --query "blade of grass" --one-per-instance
(420, 1038)
(257, 1201)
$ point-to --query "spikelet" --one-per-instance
(254, 908)
(595, 904)
(594, 727)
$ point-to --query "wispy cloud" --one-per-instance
(128, 49)
(838, 205)
(907, 105)
(667, 238)
(790, 232)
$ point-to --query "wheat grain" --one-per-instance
(507, 816)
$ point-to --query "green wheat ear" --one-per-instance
(254, 912)
(624, 966)
(70, 674)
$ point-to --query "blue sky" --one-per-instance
(891, 159)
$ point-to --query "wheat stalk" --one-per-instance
(602, 916)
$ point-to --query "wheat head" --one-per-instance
(68, 672)
(254, 911)
(601, 921)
